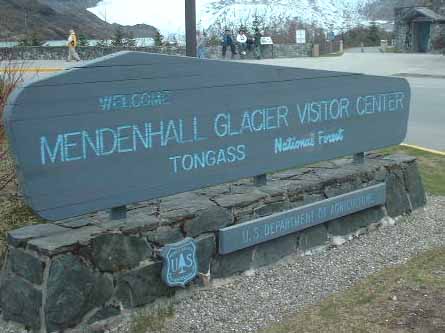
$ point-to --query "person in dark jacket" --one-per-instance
(228, 42)
(258, 36)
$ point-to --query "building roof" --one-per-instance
(424, 14)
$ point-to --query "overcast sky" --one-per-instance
(167, 15)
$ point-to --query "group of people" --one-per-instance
(242, 44)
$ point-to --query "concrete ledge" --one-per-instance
(78, 271)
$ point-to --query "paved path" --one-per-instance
(373, 49)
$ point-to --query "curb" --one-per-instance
(31, 70)
(418, 75)
(428, 150)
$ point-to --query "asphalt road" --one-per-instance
(427, 118)
(374, 49)
(425, 73)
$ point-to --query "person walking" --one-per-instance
(228, 42)
(72, 44)
(202, 44)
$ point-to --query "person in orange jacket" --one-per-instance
(72, 44)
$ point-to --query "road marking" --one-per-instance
(31, 70)
(428, 150)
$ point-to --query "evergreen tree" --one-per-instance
(159, 39)
(129, 40)
(373, 37)
(31, 40)
(102, 43)
(118, 38)
(83, 41)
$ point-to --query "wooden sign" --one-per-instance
(250, 233)
(136, 126)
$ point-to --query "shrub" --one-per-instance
(439, 43)
(11, 75)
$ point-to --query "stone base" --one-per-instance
(78, 271)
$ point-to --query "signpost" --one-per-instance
(135, 126)
(190, 27)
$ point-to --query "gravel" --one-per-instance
(258, 298)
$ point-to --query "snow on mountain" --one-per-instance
(168, 15)
(329, 14)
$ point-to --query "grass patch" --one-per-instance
(431, 167)
(406, 298)
(152, 320)
(14, 214)
(333, 54)
(391, 49)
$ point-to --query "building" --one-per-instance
(420, 28)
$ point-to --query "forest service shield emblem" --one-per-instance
(180, 264)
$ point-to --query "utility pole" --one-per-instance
(190, 27)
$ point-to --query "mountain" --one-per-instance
(384, 9)
(52, 19)
(328, 14)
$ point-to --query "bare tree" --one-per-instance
(11, 75)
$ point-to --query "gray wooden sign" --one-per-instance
(247, 234)
(136, 126)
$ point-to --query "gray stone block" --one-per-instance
(116, 252)
(308, 184)
(139, 222)
(104, 313)
(183, 206)
(341, 188)
(205, 250)
(210, 219)
(135, 222)
(73, 290)
(397, 159)
(414, 185)
(272, 208)
(240, 199)
(63, 242)
(270, 252)
(19, 237)
(20, 302)
(313, 237)
(351, 223)
(236, 262)
(275, 188)
(76, 222)
(26, 265)
(142, 286)
(397, 202)
(165, 235)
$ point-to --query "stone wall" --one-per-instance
(438, 31)
(78, 271)
(89, 53)
(85, 53)
(400, 30)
